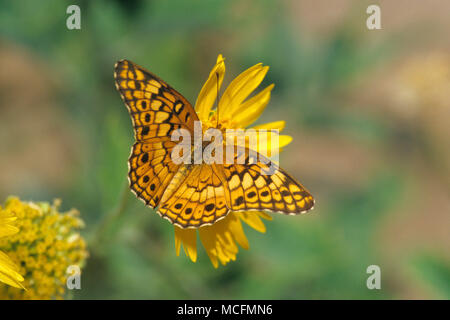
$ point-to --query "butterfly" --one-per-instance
(193, 195)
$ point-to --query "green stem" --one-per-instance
(110, 218)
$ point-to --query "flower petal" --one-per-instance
(9, 272)
(7, 230)
(208, 94)
(238, 232)
(284, 140)
(220, 239)
(267, 145)
(264, 215)
(249, 111)
(276, 125)
(239, 89)
(187, 237)
(6, 220)
(207, 237)
(253, 220)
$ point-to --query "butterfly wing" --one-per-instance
(151, 169)
(250, 189)
(156, 110)
(195, 197)
(203, 194)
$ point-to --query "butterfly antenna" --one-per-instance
(217, 100)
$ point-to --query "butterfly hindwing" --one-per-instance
(151, 169)
(259, 184)
(203, 194)
(195, 198)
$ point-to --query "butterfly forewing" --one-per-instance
(156, 110)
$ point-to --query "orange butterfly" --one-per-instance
(193, 195)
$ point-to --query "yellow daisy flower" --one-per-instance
(47, 244)
(235, 112)
(9, 272)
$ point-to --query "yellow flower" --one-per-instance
(47, 244)
(234, 112)
(9, 272)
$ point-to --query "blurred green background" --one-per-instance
(369, 112)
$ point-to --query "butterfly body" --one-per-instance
(191, 195)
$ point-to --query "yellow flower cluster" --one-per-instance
(47, 243)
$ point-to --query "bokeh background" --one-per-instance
(369, 112)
